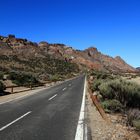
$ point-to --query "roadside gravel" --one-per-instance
(101, 130)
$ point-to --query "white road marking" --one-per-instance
(20, 97)
(80, 132)
(64, 88)
(37, 91)
(52, 97)
(4, 127)
(69, 85)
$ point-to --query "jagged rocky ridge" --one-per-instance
(24, 50)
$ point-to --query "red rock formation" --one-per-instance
(90, 58)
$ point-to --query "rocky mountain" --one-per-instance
(138, 68)
(22, 56)
(17, 53)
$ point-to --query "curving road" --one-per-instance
(51, 114)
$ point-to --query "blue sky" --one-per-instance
(113, 26)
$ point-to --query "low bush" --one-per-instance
(21, 79)
(96, 84)
(59, 77)
(2, 87)
(136, 123)
(133, 117)
(126, 92)
(1, 76)
(112, 106)
(118, 95)
(101, 75)
(55, 78)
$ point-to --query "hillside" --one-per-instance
(44, 59)
(138, 68)
(22, 56)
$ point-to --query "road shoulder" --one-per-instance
(101, 130)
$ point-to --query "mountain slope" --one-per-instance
(21, 54)
(138, 68)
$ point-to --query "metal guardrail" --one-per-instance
(30, 86)
(97, 103)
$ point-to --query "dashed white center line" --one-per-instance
(64, 88)
(52, 97)
(4, 127)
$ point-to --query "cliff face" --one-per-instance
(90, 58)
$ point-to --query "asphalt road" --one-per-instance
(51, 114)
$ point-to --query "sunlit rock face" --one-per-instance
(90, 58)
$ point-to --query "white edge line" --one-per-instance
(4, 127)
(37, 91)
(80, 127)
(52, 97)
(64, 88)
(15, 99)
(20, 97)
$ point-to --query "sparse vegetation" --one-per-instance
(2, 87)
(1, 76)
(38, 66)
(56, 77)
(21, 79)
(121, 90)
(112, 105)
(117, 94)
(133, 117)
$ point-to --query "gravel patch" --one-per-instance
(101, 130)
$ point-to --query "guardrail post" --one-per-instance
(31, 86)
(98, 105)
(12, 90)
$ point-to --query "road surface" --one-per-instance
(51, 114)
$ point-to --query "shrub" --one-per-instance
(106, 91)
(125, 92)
(2, 87)
(102, 75)
(55, 78)
(96, 84)
(133, 117)
(1, 76)
(136, 123)
(112, 105)
(22, 79)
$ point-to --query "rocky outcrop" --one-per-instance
(90, 58)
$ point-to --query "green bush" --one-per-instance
(55, 78)
(21, 79)
(106, 91)
(1, 76)
(125, 92)
(133, 117)
(136, 123)
(102, 75)
(112, 106)
(2, 87)
(96, 84)
(118, 95)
